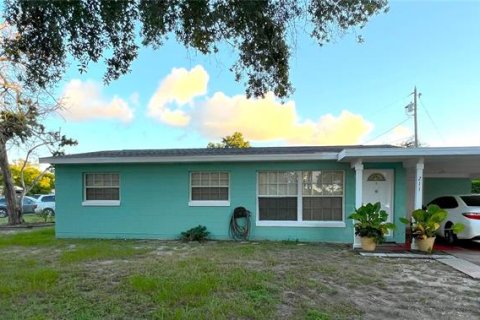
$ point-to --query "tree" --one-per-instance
(262, 33)
(236, 140)
(35, 181)
(23, 105)
(476, 186)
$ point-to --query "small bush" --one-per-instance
(45, 215)
(198, 233)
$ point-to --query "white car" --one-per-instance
(46, 204)
(464, 209)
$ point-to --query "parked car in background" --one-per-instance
(464, 209)
(29, 206)
(46, 204)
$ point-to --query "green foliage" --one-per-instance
(427, 222)
(31, 172)
(50, 32)
(371, 222)
(199, 233)
(476, 186)
(45, 215)
(236, 140)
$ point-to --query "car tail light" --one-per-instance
(472, 215)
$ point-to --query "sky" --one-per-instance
(345, 92)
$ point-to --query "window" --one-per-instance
(102, 189)
(471, 201)
(278, 195)
(48, 199)
(445, 202)
(209, 189)
(301, 198)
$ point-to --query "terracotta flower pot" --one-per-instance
(368, 244)
(425, 245)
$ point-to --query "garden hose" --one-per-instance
(240, 224)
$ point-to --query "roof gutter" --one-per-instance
(185, 159)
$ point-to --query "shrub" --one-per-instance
(198, 233)
(45, 215)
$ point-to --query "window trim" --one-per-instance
(101, 203)
(300, 222)
(208, 203)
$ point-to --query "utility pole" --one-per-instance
(415, 115)
(412, 107)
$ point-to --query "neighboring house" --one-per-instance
(303, 193)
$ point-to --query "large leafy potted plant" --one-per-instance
(371, 225)
(425, 225)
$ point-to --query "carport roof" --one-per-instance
(407, 153)
(458, 162)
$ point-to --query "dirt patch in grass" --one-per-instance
(45, 278)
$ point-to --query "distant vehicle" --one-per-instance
(29, 206)
(46, 204)
(464, 209)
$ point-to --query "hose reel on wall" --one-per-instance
(240, 224)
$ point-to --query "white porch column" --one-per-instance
(419, 184)
(358, 165)
(418, 191)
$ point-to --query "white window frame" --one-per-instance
(299, 222)
(100, 203)
(208, 203)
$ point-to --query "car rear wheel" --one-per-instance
(450, 237)
(3, 213)
(49, 211)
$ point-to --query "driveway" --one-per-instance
(467, 250)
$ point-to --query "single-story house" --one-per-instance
(293, 193)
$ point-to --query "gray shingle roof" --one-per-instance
(213, 152)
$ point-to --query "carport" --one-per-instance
(427, 172)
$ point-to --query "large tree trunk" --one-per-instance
(14, 216)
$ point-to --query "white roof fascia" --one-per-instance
(197, 158)
(407, 152)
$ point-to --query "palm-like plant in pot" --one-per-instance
(371, 225)
(425, 225)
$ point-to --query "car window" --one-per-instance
(27, 201)
(48, 199)
(471, 201)
(445, 202)
(2, 200)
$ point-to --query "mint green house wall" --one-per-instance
(154, 202)
(436, 187)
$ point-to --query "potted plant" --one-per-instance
(425, 225)
(371, 225)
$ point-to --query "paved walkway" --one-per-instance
(464, 258)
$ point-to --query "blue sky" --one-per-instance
(345, 92)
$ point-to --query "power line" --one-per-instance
(431, 120)
(384, 133)
(387, 106)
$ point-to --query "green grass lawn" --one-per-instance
(29, 218)
(45, 278)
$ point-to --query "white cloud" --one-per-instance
(177, 89)
(267, 119)
(262, 119)
(84, 101)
